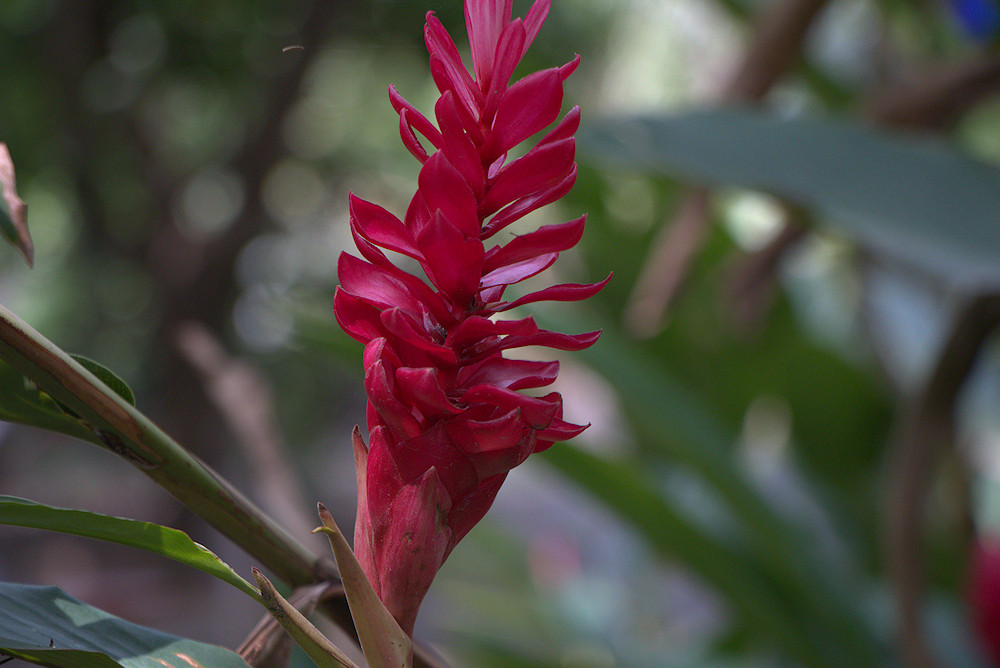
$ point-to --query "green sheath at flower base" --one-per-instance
(319, 648)
(385, 644)
(446, 416)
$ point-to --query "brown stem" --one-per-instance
(940, 97)
(777, 36)
(246, 402)
(750, 287)
(667, 265)
(924, 431)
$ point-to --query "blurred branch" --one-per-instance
(777, 36)
(246, 402)
(213, 275)
(194, 279)
(924, 431)
(667, 265)
(940, 97)
(751, 283)
(828, 90)
(199, 279)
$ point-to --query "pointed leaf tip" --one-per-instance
(161, 540)
(321, 509)
(385, 644)
(317, 646)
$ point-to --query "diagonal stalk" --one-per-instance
(129, 434)
(125, 431)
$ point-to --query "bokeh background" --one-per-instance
(186, 167)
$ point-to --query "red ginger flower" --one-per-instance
(446, 419)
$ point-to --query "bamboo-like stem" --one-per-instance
(128, 433)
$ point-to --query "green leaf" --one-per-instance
(727, 565)
(131, 435)
(108, 377)
(22, 402)
(169, 543)
(46, 626)
(672, 423)
(919, 200)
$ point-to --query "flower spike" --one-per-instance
(447, 418)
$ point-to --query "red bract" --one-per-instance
(984, 596)
(446, 416)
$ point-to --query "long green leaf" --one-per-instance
(634, 497)
(167, 542)
(46, 626)
(918, 200)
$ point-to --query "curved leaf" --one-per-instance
(916, 199)
(170, 543)
(108, 377)
(48, 627)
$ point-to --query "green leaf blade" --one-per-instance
(919, 200)
(48, 627)
(21, 402)
(170, 543)
(108, 377)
